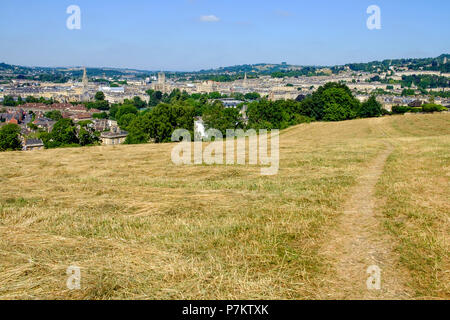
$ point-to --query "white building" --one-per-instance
(199, 128)
(112, 89)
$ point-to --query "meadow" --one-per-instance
(140, 227)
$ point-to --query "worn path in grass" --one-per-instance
(358, 242)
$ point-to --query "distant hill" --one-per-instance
(434, 64)
(440, 63)
(62, 74)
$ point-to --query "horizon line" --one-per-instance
(213, 69)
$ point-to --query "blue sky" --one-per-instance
(172, 35)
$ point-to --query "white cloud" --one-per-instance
(283, 13)
(209, 18)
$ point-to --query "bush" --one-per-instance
(415, 109)
(10, 138)
(430, 107)
(400, 109)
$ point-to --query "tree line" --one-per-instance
(331, 102)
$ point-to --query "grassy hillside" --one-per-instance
(416, 208)
(143, 228)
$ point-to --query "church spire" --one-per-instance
(85, 79)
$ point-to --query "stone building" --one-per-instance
(113, 137)
(161, 85)
(33, 144)
(85, 97)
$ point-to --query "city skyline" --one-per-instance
(195, 71)
(194, 35)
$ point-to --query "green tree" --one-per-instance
(86, 137)
(252, 96)
(265, 114)
(84, 123)
(31, 99)
(99, 96)
(139, 103)
(216, 116)
(10, 138)
(125, 120)
(64, 133)
(125, 109)
(337, 112)
(155, 97)
(54, 115)
(331, 102)
(370, 108)
(214, 95)
(432, 107)
(238, 96)
(102, 115)
(138, 130)
(165, 118)
(113, 111)
(408, 92)
(101, 105)
(400, 109)
(175, 95)
(98, 104)
(9, 101)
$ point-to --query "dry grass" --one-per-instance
(143, 228)
(416, 208)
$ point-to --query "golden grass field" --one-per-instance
(142, 228)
